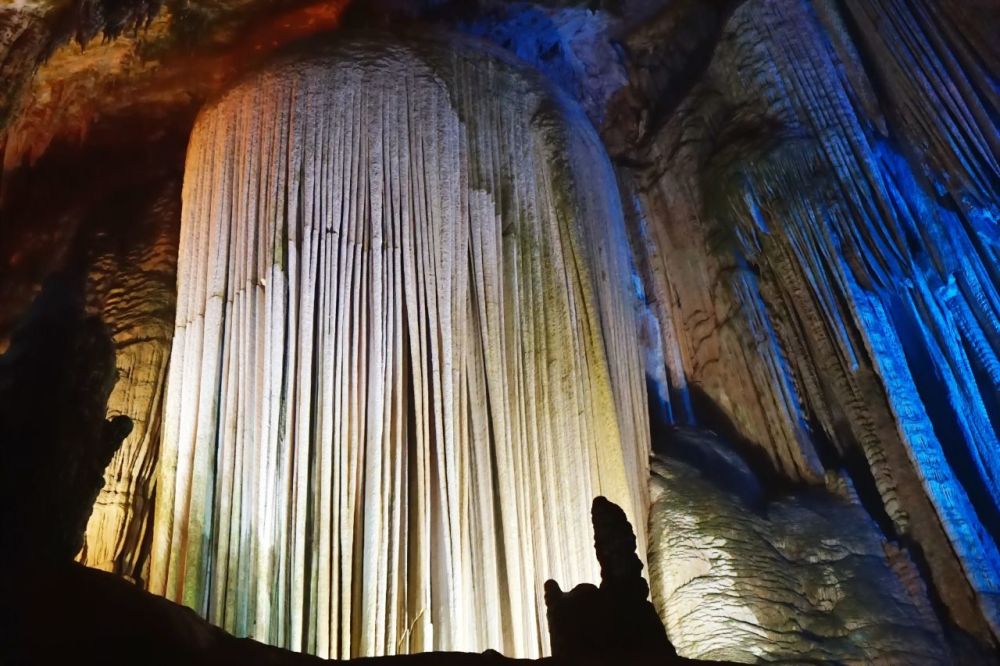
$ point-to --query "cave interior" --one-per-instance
(496, 331)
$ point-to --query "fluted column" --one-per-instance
(405, 357)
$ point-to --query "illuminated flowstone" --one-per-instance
(745, 575)
(405, 358)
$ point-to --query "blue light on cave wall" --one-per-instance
(569, 45)
(529, 33)
(934, 335)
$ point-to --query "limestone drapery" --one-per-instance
(404, 359)
(823, 207)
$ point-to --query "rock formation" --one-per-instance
(819, 222)
(810, 198)
(116, 224)
(55, 379)
(801, 575)
(404, 333)
(131, 283)
(615, 619)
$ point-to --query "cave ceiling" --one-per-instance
(150, 60)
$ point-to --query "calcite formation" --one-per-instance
(615, 619)
(55, 379)
(115, 224)
(405, 357)
(132, 286)
(803, 576)
(819, 219)
(810, 192)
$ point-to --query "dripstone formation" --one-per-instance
(388, 311)
(405, 331)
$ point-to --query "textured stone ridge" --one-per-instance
(804, 577)
(132, 285)
(405, 356)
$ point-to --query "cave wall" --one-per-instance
(133, 287)
(113, 226)
(823, 209)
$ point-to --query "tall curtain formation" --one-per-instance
(405, 356)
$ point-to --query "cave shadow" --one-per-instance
(735, 464)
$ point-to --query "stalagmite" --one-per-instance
(405, 357)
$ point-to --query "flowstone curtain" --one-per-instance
(405, 358)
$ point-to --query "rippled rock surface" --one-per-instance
(802, 576)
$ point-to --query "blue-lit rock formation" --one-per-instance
(823, 257)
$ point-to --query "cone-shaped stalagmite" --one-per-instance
(405, 358)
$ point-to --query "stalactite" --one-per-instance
(405, 356)
(825, 199)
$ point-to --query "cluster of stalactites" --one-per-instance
(404, 360)
(825, 204)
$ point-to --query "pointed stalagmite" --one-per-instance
(405, 357)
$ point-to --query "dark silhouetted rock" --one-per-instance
(617, 617)
(55, 442)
